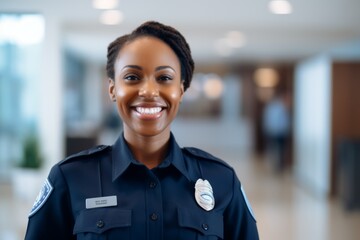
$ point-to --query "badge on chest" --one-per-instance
(204, 194)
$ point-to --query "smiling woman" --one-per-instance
(145, 186)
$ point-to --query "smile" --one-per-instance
(148, 111)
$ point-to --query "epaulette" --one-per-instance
(205, 155)
(86, 152)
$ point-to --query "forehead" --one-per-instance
(147, 50)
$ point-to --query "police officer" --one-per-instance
(144, 186)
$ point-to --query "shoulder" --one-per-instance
(97, 150)
(74, 164)
(202, 155)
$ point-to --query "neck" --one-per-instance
(149, 150)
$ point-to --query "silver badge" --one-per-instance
(42, 197)
(204, 194)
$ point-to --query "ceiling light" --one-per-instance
(280, 7)
(105, 4)
(235, 39)
(266, 77)
(111, 17)
(213, 87)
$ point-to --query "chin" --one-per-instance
(152, 132)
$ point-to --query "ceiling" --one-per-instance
(314, 27)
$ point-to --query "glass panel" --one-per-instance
(21, 37)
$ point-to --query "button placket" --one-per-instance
(154, 205)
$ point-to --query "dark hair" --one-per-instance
(167, 34)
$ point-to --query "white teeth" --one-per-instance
(143, 110)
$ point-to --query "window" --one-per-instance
(21, 37)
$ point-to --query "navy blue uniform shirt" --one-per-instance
(126, 200)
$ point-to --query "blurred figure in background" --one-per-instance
(276, 123)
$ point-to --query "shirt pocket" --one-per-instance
(103, 223)
(200, 225)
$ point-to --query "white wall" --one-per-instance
(50, 110)
(312, 124)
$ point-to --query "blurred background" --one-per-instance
(275, 94)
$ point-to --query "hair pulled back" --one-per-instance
(167, 34)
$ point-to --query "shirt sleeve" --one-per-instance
(51, 216)
(239, 222)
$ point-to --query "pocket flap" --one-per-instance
(208, 223)
(101, 219)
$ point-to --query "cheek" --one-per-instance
(123, 97)
(122, 92)
(175, 96)
(175, 93)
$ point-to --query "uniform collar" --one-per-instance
(123, 157)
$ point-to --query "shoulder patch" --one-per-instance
(86, 152)
(205, 155)
(44, 194)
(248, 203)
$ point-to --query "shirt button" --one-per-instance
(100, 224)
(154, 216)
(205, 226)
(152, 184)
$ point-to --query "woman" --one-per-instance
(144, 186)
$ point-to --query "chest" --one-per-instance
(149, 205)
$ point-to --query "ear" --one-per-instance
(112, 90)
(182, 91)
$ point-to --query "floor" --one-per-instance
(283, 209)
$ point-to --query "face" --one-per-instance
(147, 87)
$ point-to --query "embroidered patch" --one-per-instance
(247, 203)
(42, 197)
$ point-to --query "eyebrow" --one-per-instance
(132, 66)
(164, 67)
(140, 68)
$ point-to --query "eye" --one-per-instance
(165, 78)
(131, 77)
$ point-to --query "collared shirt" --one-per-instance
(105, 193)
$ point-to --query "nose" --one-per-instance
(149, 89)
